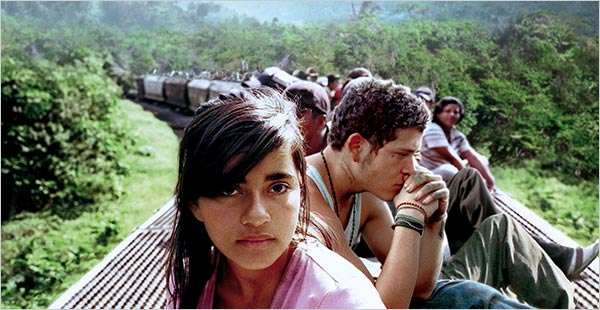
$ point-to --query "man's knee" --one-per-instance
(467, 173)
(466, 179)
(499, 222)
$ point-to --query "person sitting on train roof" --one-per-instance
(471, 203)
(354, 74)
(313, 110)
(334, 89)
(312, 74)
(463, 219)
(427, 95)
(445, 150)
(241, 162)
(486, 257)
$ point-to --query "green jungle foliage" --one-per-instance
(61, 146)
(530, 88)
(40, 252)
(44, 254)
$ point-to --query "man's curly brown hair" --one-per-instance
(376, 109)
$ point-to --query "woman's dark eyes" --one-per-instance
(229, 191)
(279, 188)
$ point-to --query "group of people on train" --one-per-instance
(280, 185)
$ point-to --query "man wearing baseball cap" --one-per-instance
(313, 110)
(427, 95)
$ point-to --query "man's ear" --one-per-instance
(355, 145)
(196, 211)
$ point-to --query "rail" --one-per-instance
(132, 275)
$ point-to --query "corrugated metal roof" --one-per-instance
(132, 275)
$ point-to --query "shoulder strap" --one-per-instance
(352, 230)
(314, 175)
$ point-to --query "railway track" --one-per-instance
(177, 120)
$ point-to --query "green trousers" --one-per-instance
(470, 204)
(500, 253)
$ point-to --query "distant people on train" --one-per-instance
(427, 95)
(244, 235)
(334, 89)
(312, 108)
(272, 77)
(264, 79)
(445, 150)
(365, 145)
(300, 74)
(257, 71)
(312, 74)
(356, 73)
(224, 75)
(204, 74)
(246, 76)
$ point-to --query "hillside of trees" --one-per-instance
(530, 87)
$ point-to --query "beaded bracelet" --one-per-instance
(411, 205)
(414, 225)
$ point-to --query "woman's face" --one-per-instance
(252, 224)
(450, 115)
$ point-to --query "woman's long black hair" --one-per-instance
(227, 137)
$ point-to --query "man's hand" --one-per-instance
(428, 187)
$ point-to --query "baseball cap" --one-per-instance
(299, 74)
(425, 93)
(309, 95)
(332, 77)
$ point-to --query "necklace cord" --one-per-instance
(335, 203)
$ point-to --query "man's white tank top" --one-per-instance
(352, 235)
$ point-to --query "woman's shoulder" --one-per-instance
(327, 280)
(433, 128)
(327, 261)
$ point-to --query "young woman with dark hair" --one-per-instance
(243, 237)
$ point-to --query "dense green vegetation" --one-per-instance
(43, 254)
(77, 155)
(56, 118)
(530, 88)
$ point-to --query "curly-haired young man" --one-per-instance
(370, 159)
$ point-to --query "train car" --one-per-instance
(217, 87)
(175, 89)
(154, 88)
(139, 83)
(198, 93)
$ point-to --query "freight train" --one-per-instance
(180, 92)
(187, 94)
